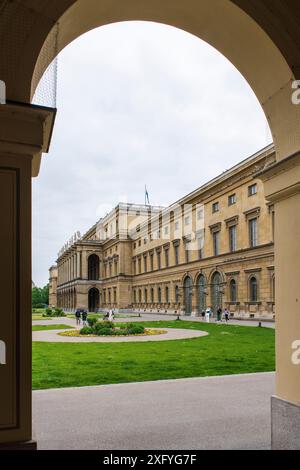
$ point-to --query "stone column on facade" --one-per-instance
(84, 264)
(24, 133)
(282, 187)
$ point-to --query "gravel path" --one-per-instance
(52, 336)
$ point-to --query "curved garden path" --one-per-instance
(52, 336)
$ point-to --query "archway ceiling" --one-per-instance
(280, 19)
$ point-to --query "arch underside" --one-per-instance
(269, 65)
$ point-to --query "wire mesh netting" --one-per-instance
(21, 20)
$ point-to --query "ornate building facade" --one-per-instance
(214, 247)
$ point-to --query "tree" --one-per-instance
(40, 296)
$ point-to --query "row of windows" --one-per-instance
(232, 198)
(232, 234)
(233, 292)
(216, 238)
(137, 295)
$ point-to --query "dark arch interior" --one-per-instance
(94, 300)
(93, 268)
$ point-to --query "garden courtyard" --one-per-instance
(193, 386)
(219, 349)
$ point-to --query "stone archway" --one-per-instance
(261, 39)
(216, 292)
(188, 295)
(201, 293)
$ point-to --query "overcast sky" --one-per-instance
(138, 103)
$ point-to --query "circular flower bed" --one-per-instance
(106, 328)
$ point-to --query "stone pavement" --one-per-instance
(229, 412)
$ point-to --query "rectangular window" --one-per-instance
(253, 234)
(187, 252)
(167, 258)
(158, 261)
(232, 238)
(252, 190)
(151, 262)
(215, 207)
(200, 214)
(231, 199)
(176, 253)
(140, 265)
(145, 264)
(216, 243)
(187, 220)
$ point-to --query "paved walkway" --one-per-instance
(231, 412)
(154, 317)
(52, 336)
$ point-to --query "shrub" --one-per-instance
(104, 331)
(49, 312)
(136, 330)
(58, 312)
(108, 324)
(100, 326)
(92, 321)
(86, 330)
(122, 332)
(39, 306)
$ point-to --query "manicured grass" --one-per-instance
(50, 327)
(228, 349)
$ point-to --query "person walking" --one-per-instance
(77, 316)
(207, 314)
(111, 315)
(219, 314)
(84, 317)
(203, 314)
(226, 315)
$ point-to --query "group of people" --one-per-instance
(208, 313)
(110, 315)
(81, 315)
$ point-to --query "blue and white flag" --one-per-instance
(147, 196)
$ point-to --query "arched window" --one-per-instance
(146, 296)
(233, 291)
(216, 292)
(93, 268)
(177, 296)
(188, 292)
(134, 296)
(140, 296)
(201, 293)
(167, 295)
(253, 289)
(159, 295)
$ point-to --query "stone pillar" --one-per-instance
(24, 133)
(84, 265)
(79, 264)
(282, 187)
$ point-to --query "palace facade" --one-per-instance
(214, 247)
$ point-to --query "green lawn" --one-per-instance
(50, 327)
(227, 350)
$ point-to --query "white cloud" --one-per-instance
(137, 103)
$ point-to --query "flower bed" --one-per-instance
(77, 334)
